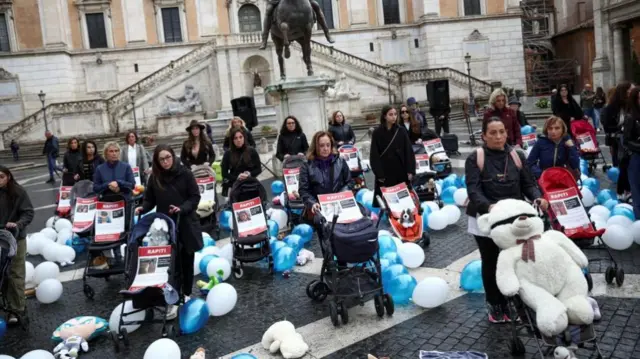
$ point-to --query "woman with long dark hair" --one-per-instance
(240, 162)
(237, 122)
(612, 117)
(197, 149)
(91, 159)
(72, 161)
(410, 123)
(598, 103)
(173, 190)
(566, 107)
(136, 155)
(16, 213)
(631, 142)
(340, 130)
(292, 140)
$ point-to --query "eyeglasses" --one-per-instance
(404, 111)
(165, 158)
(290, 123)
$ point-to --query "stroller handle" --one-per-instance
(14, 231)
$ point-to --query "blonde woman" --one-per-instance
(237, 122)
(498, 108)
(113, 176)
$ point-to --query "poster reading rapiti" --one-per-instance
(109, 222)
(350, 155)
(153, 267)
(398, 199)
(84, 214)
(422, 164)
(343, 204)
(569, 211)
(64, 199)
(206, 185)
(291, 179)
(250, 217)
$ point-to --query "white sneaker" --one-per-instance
(172, 312)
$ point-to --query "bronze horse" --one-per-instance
(293, 20)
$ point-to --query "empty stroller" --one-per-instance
(559, 183)
(405, 217)
(8, 249)
(291, 166)
(208, 206)
(351, 155)
(585, 136)
(151, 279)
(249, 236)
(423, 182)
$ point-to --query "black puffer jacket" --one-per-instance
(342, 133)
(18, 210)
(315, 178)
(291, 143)
(231, 170)
(631, 134)
(493, 183)
(72, 161)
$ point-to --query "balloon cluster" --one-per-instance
(454, 190)
(621, 230)
(285, 251)
(437, 219)
(56, 242)
(44, 277)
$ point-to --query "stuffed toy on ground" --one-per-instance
(282, 336)
(71, 348)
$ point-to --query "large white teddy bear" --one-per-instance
(544, 268)
(283, 336)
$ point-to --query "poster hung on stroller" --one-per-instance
(585, 142)
(350, 155)
(136, 175)
(568, 210)
(398, 199)
(528, 141)
(343, 204)
(249, 217)
(206, 185)
(153, 267)
(109, 221)
(84, 214)
(422, 164)
(64, 199)
(435, 146)
(291, 179)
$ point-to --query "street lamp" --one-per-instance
(132, 93)
(389, 83)
(41, 96)
(471, 108)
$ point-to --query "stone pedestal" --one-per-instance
(258, 96)
(175, 124)
(304, 98)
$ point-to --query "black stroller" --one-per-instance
(424, 180)
(82, 190)
(354, 243)
(150, 299)
(8, 249)
(252, 248)
(208, 218)
(294, 205)
(95, 248)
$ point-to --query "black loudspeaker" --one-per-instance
(438, 94)
(245, 108)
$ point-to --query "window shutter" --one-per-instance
(327, 9)
(249, 18)
(472, 7)
(96, 31)
(4, 34)
(391, 11)
(171, 24)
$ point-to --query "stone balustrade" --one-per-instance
(446, 73)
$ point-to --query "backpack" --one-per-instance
(513, 153)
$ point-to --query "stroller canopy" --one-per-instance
(9, 242)
(557, 178)
(582, 126)
(82, 189)
(142, 227)
(203, 171)
(247, 189)
(294, 161)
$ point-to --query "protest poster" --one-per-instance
(250, 218)
(351, 156)
(586, 142)
(153, 267)
(291, 179)
(398, 199)
(568, 209)
(136, 175)
(435, 146)
(422, 164)
(528, 141)
(84, 214)
(64, 199)
(343, 204)
(109, 221)
(206, 185)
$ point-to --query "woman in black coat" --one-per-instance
(240, 162)
(612, 118)
(292, 140)
(72, 161)
(197, 149)
(340, 130)
(391, 157)
(91, 159)
(237, 122)
(173, 190)
(566, 107)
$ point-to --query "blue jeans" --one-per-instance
(634, 182)
(596, 118)
(51, 164)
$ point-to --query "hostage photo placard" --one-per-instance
(291, 179)
(206, 185)
(153, 267)
(398, 199)
(136, 175)
(350, 155)
(109, 221)
(84, 214)
(250, 217)
(343, 204)
(567, 207)
(64, 198)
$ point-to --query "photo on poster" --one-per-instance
(244, 216)
(147, 265)
(92, 207)
(82, 209)
(118, 213)
(201, 188)
(103, 217)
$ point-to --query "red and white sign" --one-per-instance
(207, 186)
(568, 209)
(435, 146)
(352, 156)
(586, 142)
(250, 218)
(291, 179)
(422, 164)
(398, 199)
(153, 267)
(109, 221)
(84, 214)
(64, 199)
(528, 141)
(343, 204)
(136, 175)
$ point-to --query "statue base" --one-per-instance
(304, 98)
(258, 96)
(175, 124)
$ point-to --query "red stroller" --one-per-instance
(585, 136)
(568, 215)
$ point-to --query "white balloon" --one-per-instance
(280, 217)
(129, 316)
(66, 254)
(367, 197)
(599, 222)
(38, 354)
(226, 252)
(50, 251)
(35, 242)
(49, 233)
(221, 299)
(196, 262)
(434, 206)
(397, 241)
(384, 232)
(461, 197)
(438, 220)
(206, 235)
(600, 211)
(2, 356)
(64, 235)
(44, 271)
(617, 237)
(620, 220)
(30, 273)
(588, 199)
(624, 205)
(217, 264)
(452, 213)
(635, 231)
(412, 254)
(49, 291)
(210, 250)
(51, 221)
(61, 224)
(431, 292)
(163, 349)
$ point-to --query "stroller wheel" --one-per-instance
(169, 331)
(124, 335)
(88, 291)
(238, 272)
(620, 277)
(318, 291)
(609, 275)
(344, 313)
(516, 347)
(309, 286)
(378, 302)
(426, 240)
(589, 281)
(333, 313)
(388, 304)
(271, 267)
(114, 339)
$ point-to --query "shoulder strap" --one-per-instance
(390, 142)
(480, 158)
(516, 158)
(331, 173)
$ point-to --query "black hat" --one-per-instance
(194, 123)
(514, 101)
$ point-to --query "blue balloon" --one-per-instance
(305, 232)
(461, 182)
(386, 244)
(392, 257)
(274, 229)
(294, 241)
(284, 259)
(277, 244)
(425, 221)
(450, 181)
(605, 195)
(193, 315)
(244, 356)
(623, 211)
(525, 130)
(360, 194)
(277, 187)
(613, 173)
(3, 328)
(384, 264)
(401, 288)
(204, 262)
(592, 184)
(393, 271)
(610, 204)
(426, 210)
(208, 241)
(471, 276)
(225, 216)
(78, 244)
(447, 195)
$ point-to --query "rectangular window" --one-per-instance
(327, 9)
(472, 7)
(4, 34)
(391, 11)
(96, 31)
(171, 24)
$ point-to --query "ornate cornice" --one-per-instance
(476, 36)
(6, 75)
(6, 5)
(93, 5)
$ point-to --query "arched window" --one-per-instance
(391, 11)
(249, 18)
(327, 9)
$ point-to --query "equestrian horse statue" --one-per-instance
(293, 20)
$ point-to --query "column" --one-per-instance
(54, 23)
(208, 17)
(431, 8)
(136, 30)
(601, 68)
(618, 55)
